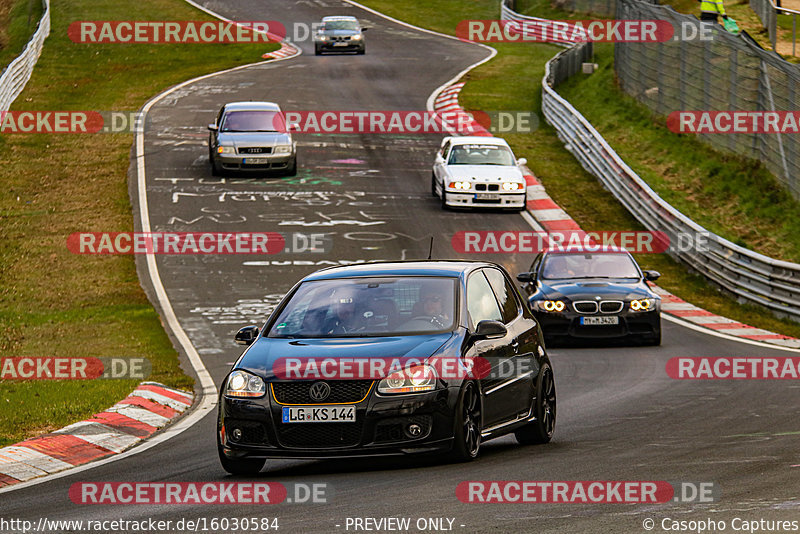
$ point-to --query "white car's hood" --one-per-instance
(485, 173)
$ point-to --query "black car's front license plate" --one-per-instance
(319, 414)
(589, 321)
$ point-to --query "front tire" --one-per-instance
(216, 170)
(292, 171)
(244, 466)
(467, 435)
(444, 199)
(541, 430)
(433, 185)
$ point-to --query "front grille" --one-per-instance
(611, 306)
(320, 435)
(341, 39)
(256, 150)
(342, 391)
(252, 432)
(585, 306)
(392, 429)
(487, 187)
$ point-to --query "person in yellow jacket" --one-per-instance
(711, 9)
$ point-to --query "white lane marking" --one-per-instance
(775, 345)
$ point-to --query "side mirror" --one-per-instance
(246, 335)
(365, 28)
(527, 278)
(652, 276)
(212, 127)
(490, 329)
(439, 158)
(522, 161)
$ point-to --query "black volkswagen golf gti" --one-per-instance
(388, 358)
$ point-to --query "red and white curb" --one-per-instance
(286, 50)
(447, 102)
(552, 218)
(150, 407)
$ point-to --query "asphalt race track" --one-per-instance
(620, 417)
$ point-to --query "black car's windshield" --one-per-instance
(340, 25)
(480, 155)
(599, 265)
(368, 307)
(253, 121)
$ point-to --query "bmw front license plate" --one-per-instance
(255, 161)
(479, 196)
(319, 414)
(600, 320)
(341, 43)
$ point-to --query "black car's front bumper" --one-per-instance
(566, 325)
(380, 428)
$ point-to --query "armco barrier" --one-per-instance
(19, 71)
(750, 276)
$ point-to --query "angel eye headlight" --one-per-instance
(643, 304)
(551, 305)
(244, 384)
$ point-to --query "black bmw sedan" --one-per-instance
(388, 358)
(577, 293)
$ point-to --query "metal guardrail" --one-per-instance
(767, 11)
(18, 72)
(751, 276)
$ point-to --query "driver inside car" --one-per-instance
(344, 319)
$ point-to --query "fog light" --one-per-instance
(413, 430)
(236, 434)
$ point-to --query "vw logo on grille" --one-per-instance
(319, 391)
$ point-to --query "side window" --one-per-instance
(504, 293)
(536, 261)
(481, 303)
(445, 148)
(219, 116)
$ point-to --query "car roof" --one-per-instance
(252, 106)
(339, 17)
(445, 268)
(477, 140)
(586, 249)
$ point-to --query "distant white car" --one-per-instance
(475, 171)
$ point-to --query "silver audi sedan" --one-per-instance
(251, 136)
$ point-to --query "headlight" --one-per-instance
(282, 149)
(322, 37)
(244, 384)
(412, 380)
(511, 186)
(225, 150)
(356, 38)
(460, 185)
(550, 305)
(643, 305)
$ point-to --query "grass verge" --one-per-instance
(18, 22)
(56, 303)
(513, 79)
